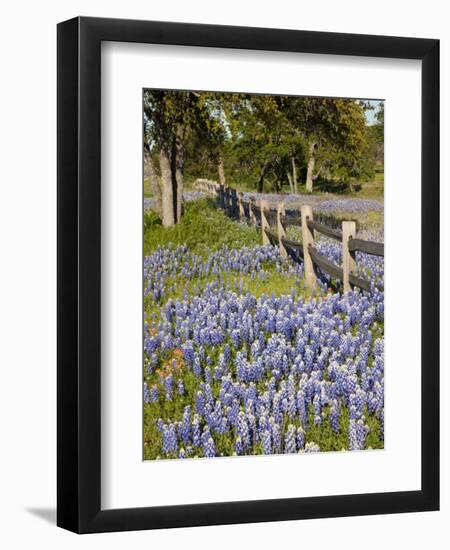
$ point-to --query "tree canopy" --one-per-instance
(261, 141)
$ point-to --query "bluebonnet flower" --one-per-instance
(208, 377)
(381, 418)
(169, 444)
(146, 393)
(302, 410)
(208, 447)
(238, 445)
(317, 408)
(200, 402)
(290, 440)
(361, 433)
(233, 413)
(276, 408)
(153, 394)
(353, 443)
(188, 352)
(243, 429)
(266, 442)
(312, 447)
(256, 364)
(197, 368)
(335, 415)
(168, 385)
(227, 353)
(235, 338)
(196, 434)
(276, 436)
(184, 429)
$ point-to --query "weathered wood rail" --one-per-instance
(266, 219)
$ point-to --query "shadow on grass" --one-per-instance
(339, 187)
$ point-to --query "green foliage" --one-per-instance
(152, 221)
(375, 137)
(265, 142)
(202, 228)
(338, 127)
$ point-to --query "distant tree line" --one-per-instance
(266, 142)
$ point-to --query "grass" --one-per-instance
(370, 219)
(365, 190)
(203, 228)
(148, 193)
(270, 283)
(373, 189)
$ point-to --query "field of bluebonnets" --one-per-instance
(239, 359)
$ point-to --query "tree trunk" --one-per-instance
(261, 179)
(310, 167)
(173, 169)
(221, 170)
(279, 184)
(294, 175)
(179, 168)
(168, 211)
(291, 183)
(154, 184)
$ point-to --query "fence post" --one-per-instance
(308, 240)
(348, 258)
(264, 223)
(281, 231)
(228, 201)
(234, 208)
(225, 198)
(221, 197)
(241, 208)
(251, 211)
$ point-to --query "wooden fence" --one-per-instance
(273, 221)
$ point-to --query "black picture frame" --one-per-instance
(79, 281)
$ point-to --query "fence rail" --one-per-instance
(325, 230)
(286, 242)
(335, 271)
(369, 247)
(262, 216)
(291, 220)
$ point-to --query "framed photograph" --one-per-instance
(248, 275)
